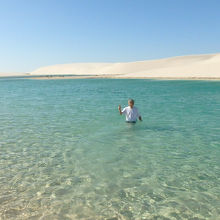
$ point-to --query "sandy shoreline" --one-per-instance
(60, 77)
(121, 77)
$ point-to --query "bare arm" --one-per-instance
(119, 109)
(139, 116)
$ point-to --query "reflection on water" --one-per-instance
(65, 157)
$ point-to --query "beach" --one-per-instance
(192, 67)
(109, 110)
(66, 153)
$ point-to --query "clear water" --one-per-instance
(66, 153)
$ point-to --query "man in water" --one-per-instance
(131, 112)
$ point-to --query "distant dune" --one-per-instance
(12, 74)
(194, 66)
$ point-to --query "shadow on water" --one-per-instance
(144, 127)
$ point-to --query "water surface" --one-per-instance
(66, 153)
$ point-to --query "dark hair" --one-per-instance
(131, 100)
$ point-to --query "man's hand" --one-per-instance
(119, 109)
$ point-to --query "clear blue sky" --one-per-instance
(35, 33)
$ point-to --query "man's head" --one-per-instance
(131, 102)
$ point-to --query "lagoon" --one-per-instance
(66, 153)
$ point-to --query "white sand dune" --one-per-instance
(194, 66)
(12, 74)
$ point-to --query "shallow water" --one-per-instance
(66, 153)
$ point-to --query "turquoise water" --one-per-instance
(66, 153)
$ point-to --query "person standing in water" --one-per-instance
(131, 112)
